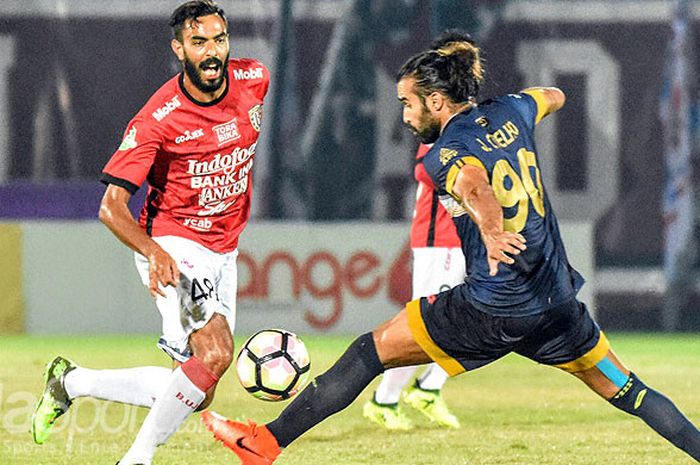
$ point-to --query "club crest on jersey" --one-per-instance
(129, 141)
(255, 115)
(446, 155)
(226, 132)
(482, 121)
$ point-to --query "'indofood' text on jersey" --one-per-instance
(498, 136)
(197, 158)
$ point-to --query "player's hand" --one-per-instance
(162, 270)
(501, 247)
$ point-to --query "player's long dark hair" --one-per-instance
(452, 66)
(192, 10)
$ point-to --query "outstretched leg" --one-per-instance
(390, 345)
(65, 381)
(610, 379)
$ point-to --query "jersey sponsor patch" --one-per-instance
(220, 181)
(255, 115)
(129, 141)
(166, 109)
(198, 224)
(227, 132)
(189, 135)
(246, 74)
(446, 155)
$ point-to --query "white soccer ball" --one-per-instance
(273, 365)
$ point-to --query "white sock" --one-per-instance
(135, 386)
(433, 378)
(175, 403)
(393, 382)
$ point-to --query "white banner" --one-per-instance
(341, 278)
(309, 277)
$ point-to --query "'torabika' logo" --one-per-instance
(226, 132)
(166, 109)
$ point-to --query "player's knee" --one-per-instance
(217, 359)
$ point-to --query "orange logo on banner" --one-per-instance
(351, 276)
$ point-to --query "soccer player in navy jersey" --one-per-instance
(520, 291)
(194, 143)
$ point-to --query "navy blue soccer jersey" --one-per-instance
(498, 136)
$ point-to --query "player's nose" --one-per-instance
(210, 50)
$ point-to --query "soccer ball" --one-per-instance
(273, 365)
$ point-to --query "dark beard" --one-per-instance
(429, 134)
(193, 72)
(428, 129)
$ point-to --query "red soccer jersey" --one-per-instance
(197, 158)
(432, 226)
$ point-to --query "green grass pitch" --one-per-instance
(512, 412)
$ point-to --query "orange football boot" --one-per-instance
(253, 444)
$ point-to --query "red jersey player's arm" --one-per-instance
(474, 191)
(115, 214)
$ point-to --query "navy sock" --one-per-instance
(329, 393)
(659, 413)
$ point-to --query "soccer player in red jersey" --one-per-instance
(438, 265)
(194, 142)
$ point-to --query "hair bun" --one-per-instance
(467, 51)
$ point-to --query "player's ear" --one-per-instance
(178, 49)
(435, 101)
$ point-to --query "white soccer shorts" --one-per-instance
(208, 282)
(436, 269)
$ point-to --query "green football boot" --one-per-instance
(431, 404)
(54, 402)
(389, 416)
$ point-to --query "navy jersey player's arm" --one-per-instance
(547, 99)
(473, 190)
(471, 186)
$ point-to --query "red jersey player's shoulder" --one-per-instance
(163, 101)
(250, 72)
(423, 150)
(419, 172)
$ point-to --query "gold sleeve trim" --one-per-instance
(542, 104)
(454, 171)
(421, 336)
(590, 359)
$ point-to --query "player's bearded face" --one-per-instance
(427, 128)
(208, 74)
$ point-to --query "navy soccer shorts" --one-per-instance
(459, 337)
